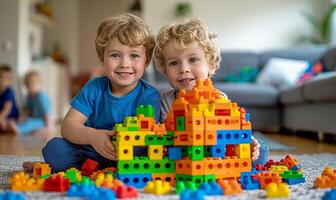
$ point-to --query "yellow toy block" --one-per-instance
(40, 169)
(21, 182)
(132, 138)
(155, 152)
(275, 190)
(124, 152)
(243, 151)
(157, 187)
(278, 168)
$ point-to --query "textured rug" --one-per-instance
(313, 165)
(273, 145)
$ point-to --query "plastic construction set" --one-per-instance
(202, 150)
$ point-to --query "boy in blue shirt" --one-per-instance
(36, 111)
(124, 46)
(8, 109)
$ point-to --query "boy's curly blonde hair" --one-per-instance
(30, 75)
(129, 29)
(183, 34)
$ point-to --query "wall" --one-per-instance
(241, 24)
(91, 14)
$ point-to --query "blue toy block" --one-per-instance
(211, 189)
(293, 181)
(330, 195)
(247, 182)
(194, 195)
(175, 153)
(233, 137)
(80, 190)
(12, 196)
(217, 151)
(247, 116)
(296, 167)
(136, 180)
(102, 193)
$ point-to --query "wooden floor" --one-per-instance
(32, 145)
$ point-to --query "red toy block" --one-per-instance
(264, 178)
(126, 192)
(89, 167)
(56, 183)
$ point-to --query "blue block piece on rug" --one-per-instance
(12, 196)
(293, 181)
(211, 188)
(136, 180)
(330, 195)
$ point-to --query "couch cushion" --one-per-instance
(231, 62)
(291, 95)
(329, 60)
(249, 94)
(310, 54)
(320, 88)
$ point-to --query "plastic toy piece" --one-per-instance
(135, 180)
(211, 189)
(293, 181)
(167, 177)
(143, 165)
(101, 193)
(290, 162)
(80, 190)
(330, 195)
(243, 151)
(230, 186)
(291, 174)
(11, 196)
(275, 190)
(248, 183)
(281, 169)
(265, 178)
(195, 152)
(180, 123)
(157, 187)
(190, 194)
(175, 153)
(155, 152)
(89, 167)
(126, 192)
(21, 182)
(41, 169)
(74, 175)
(56, 183)
(217, 151)
(234, 136)
(327, 180)
(159, 140)
(147, 110)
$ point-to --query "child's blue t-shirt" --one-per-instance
(104, 110)
(38, 105)
(8, 95)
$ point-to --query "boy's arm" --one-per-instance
(7, 107)
(74, 130)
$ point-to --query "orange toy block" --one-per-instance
(21, 182)
(189, 167)
(183, 138)
(210, 138)
(194, 121)
(40, 169)
(169, 177)
(264, 178)
(230, 186)
(145, 123)
(159, 129)
(289, 161)
(327, 180)
(227, 167)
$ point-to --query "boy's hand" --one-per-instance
(100, 140)
(255, 146)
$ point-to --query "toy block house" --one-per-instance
(212, 133)
(142, 133)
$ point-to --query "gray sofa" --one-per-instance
(308, 107)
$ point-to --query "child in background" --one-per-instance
(8, 109)
(185, 52)
(36, 111)
(124, 46)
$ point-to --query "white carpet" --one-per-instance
(313, 165)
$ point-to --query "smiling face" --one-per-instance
(124, 65)
(184, 66)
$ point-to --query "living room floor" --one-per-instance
(31, 145)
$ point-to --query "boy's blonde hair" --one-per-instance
(129, 29)
(30, 75)
(183, 34)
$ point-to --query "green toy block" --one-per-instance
(180, 123)
(195, 152)
(147, 110)
(72, 175)
(131, 123)
(184, 150)
(197, 180)
(209, 178)
(170, 133)
(181, 186)
(291, 174)
(144, 165)
(207, 151)
(86, 181)
(120, 127)
(159, 140)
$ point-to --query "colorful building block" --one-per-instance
(276, 190)
(89, 167)
(41, 169)
(157, 187)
